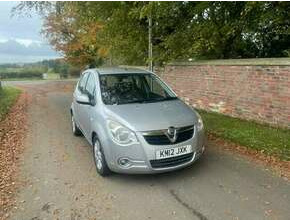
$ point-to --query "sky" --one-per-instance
(20, 38)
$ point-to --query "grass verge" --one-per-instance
(269, 140)
(8, 96)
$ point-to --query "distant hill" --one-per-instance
(12, 51)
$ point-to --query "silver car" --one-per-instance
(135, 122)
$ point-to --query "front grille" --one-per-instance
(183, 134)
(171, 162)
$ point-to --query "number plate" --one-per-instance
(173, 152)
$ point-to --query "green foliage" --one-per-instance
(73, 71)
(274, 141)
(181, 30)
(57, 66)
(60, 66)
(222, 30)
(35, 70)
(22, 72)
(8, 96)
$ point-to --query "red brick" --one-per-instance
(260, 93)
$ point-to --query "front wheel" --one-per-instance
(99, 158)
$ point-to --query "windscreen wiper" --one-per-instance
(161, 99)
(133, 101)
(170, 98)
(148, 100)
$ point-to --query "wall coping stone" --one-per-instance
(235, 62)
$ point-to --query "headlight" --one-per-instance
(199, 122)
(120, 134)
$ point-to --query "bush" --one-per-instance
(24, 72)
(74, 71)
(21, 74)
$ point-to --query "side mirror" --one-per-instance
(83, 99)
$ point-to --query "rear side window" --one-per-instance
(82, 82)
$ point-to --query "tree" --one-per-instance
(117, 32)
(68, 33)
(73, 36)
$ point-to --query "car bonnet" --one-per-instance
(152, 116)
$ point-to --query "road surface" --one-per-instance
(62, 183)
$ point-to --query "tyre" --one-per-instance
(99, 158)
(76, 131)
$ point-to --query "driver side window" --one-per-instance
(91, 85)
(82, 82)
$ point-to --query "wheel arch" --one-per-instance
(105, 147)
(94, 135)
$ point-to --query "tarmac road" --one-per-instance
(62, 183)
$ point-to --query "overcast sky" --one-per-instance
(22, 35)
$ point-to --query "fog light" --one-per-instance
(124, 162)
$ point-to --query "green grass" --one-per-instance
(53, 76)
(8, 96)
(270, 140)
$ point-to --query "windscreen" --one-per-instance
(133, 88)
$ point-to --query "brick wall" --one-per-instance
(254, 92)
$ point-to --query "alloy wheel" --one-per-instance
(98, 155)
(73, 124)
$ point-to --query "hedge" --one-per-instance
(21, 74)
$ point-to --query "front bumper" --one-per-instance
(138, 156)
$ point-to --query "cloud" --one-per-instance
(18, 26)
(20, 38)
(13, 47)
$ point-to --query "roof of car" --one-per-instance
(118, 70)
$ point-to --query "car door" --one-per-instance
(78, 107)
(88, 112)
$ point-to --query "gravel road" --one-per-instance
(61, 181)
